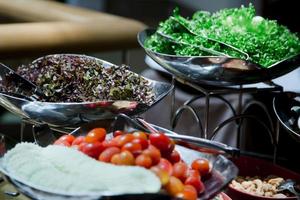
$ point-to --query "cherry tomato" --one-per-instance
(180, 170)
(192, 173)
(154, 154)
(188, 193)
(116, 159)
(62, 143)
(143, 142)
(163, 175)
(167, 152)
(202, 165)
(108, 153)
(174, 186)
(160, 141)
(117, 133)
(196, 182)
(67, 138)
(91, 149)
(123, 158)
(143, 161)
(174, 157)
(123, 139)
(110, 143)
(165, 165)
(132, 147)
(96, 134)
(78, 140)
(139, 134)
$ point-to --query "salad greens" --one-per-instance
(76, 78)
(265, 41)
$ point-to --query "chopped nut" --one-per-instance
(255, 185)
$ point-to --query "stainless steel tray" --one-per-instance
(223, 170)
(217, 70)
(283, 105)
(72, 115)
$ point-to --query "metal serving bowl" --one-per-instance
(217, 70)
(73, 114)
(287, 110)
(223, 170)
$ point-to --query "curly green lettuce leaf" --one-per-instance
(265, 41)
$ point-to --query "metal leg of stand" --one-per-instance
(240, 103)
(277, 135)
(172, 110)
(125, 57)
(22, 128)
(206, 118)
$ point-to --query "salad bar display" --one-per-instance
(229, 47)
(235, 32)
(75, 89)
(148, 163)
(89, 142)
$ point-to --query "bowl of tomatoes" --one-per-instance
(184, 173)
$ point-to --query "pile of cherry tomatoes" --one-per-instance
(153, 151)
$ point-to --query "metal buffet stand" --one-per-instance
(214, 76)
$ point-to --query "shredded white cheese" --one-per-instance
(67, 171)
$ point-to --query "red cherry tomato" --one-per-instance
(91, 149)
(154, 154)
(108, 153)
(160, 141)
(196, 183)
(62, 143)
(132, 147)
(78, 140)
(174, 186)
(165, 165)
(67, 138)
(202, 165)
(116, 159)
(96, 134)
(143, 161)
(192, 173)
(110, 143)
(188, 193)
(117, 133)
(174, 157)
(139, 134)
(163, 176)
(167, 153)
(123, 139)
(143, 142)
(123, 158)
(180, 170)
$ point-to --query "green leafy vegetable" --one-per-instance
(265, 41)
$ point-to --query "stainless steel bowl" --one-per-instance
(217, 70)
(222, 172)
(73, 114)
(287, 110)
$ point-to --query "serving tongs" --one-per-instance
(202, 48)
(23, 88)
(198, 144)
(214, 52)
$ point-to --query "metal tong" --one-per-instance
(198, 144)
(23, 86)
(203, 36)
